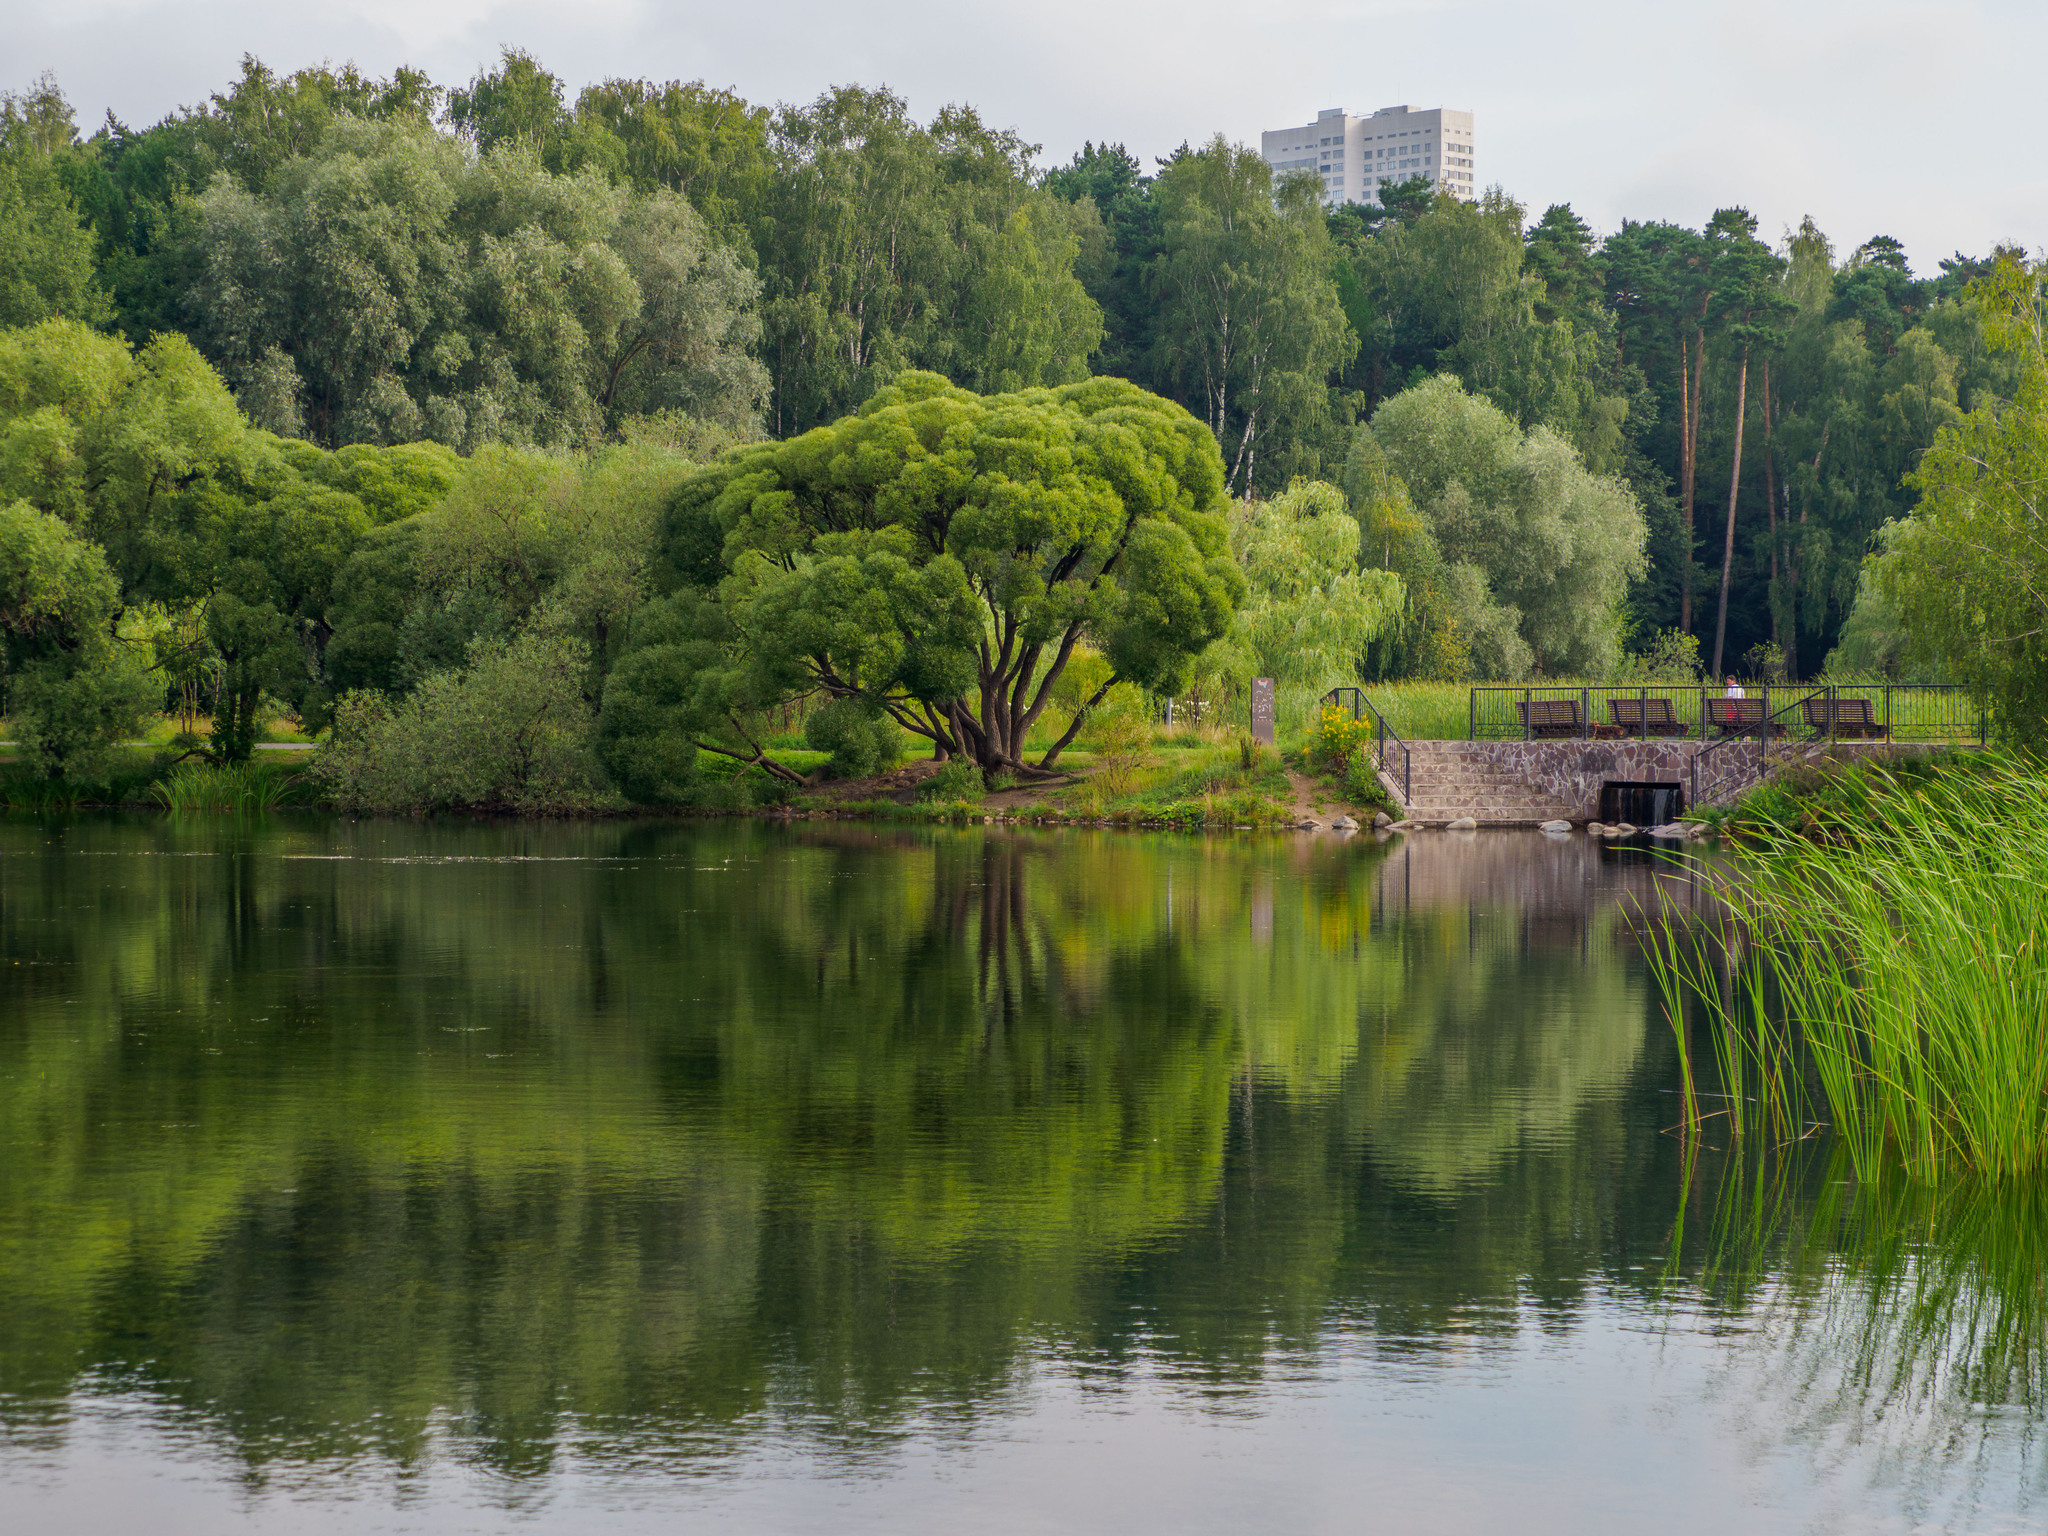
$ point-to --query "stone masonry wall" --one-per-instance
(1571, 772)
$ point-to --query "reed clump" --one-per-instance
(1888, 968)
(252, 786)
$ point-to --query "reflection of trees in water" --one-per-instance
(664, 1127)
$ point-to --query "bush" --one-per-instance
(1338, 739)
(958, 780)
(861, 738)
(509, 731)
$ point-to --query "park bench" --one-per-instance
(1552, 717)
(1733, 717)
(1852, 717)
(1647, 717)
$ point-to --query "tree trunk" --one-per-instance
(1728, 536)
(1688, 461)
(1771, 512)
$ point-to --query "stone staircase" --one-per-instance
(1450, 779)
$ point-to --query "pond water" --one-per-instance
(363, 1176)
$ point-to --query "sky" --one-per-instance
(1918, 120)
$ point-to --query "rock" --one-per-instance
(1404, 826)
(1308, 824)
(1670, 829)
(1556, 826)
(1381, 819)
(1596, 829)
(1462, 824)
(1343, 824)
(1622, 829)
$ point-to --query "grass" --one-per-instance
(259, 785)
(1886, 960)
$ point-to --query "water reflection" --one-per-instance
(647, 1144)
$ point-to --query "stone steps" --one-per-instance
(1452, 780)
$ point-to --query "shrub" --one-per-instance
(509, 731)
(958, 780)
(1338, 739)
(861, 738)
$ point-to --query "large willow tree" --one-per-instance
(938, 557)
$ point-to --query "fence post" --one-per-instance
(1472, 719)
(1528, 697)
(1585, 713)
(1643, 714)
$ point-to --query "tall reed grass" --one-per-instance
(252, 786)
(1889, 969)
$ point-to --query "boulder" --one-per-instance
(1556, 826)
(1404, 826)
(1596, 829)
(1622, 829)
(1308, 824)
(1670, 829)
(1343, 824)
(1382, 819)
(1462, 824)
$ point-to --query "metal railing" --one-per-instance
(1385, 743)
(1736, 769)
(1892, 712)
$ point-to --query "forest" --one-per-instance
(420, 403)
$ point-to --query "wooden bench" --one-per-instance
(1732, 717)
(1554, 717)
(1852, 717)
(1647, 717)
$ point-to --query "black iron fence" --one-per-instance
(1907, 712)
(1390, 754)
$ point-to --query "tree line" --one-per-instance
(1665, 431)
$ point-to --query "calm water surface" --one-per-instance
(395, 1177)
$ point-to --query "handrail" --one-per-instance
(1898, 711)
(1765, 727)
(1385, 740)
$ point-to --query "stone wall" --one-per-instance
(1571, 772)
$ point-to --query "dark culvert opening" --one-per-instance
(1641, 804)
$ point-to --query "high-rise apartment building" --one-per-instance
(1356, 156)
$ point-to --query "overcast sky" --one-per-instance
(1919, 120)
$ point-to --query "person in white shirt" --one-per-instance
(1734, 688)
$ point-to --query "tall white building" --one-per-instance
(1356, 156)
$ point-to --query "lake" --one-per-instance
(448, 1177)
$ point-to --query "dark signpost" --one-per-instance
(1262, 709)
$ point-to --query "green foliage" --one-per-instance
(1669, 656)
(1309, 611)
(509, 731)
(887, 245)
(942, 555)
(73, 691)
(46, 251)
(1525, 555)
(250, 786)
(1965, 573)
(384, 287)
(956, 781)
(1248, 320)
(1866, 942)
(1338, 739)
(861, 737)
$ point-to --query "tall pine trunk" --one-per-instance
(1771, 511)
(1689, 392)
(1728, 535)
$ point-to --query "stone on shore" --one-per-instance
(1462, 824)
(1343, 824)
(1381, 819)
(1555, 826)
